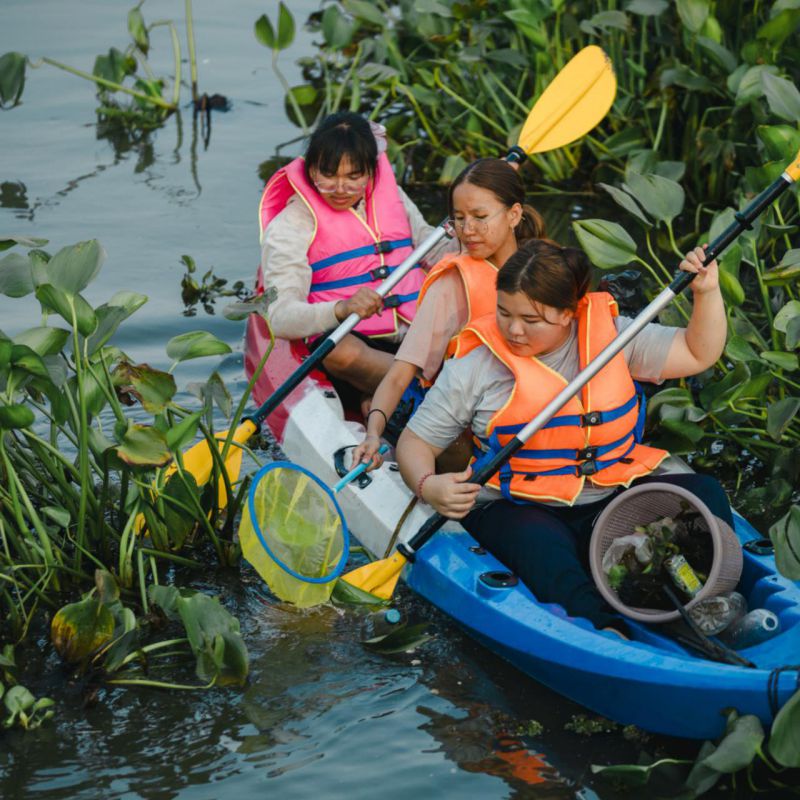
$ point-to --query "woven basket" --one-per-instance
(650, 502)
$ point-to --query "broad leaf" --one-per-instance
(15, 416)
(782, 96)
(285, 27)
(785, 535)
(366, 11)
(781, 142)
(338, 32)
(45, 341)
(182, 433)
(693, 13)
(143, 446)
(738, 349)
(627, 202)
(637, 775)
(347, 594)
(780, 415)
(781, 359)
(662, 198)
(73, 268)
(784, 742)
(16, 279)
(196, 344)
(79, 629)
(739, 747)
(607, 244)
(789, 311)
(72, 308)
(153, 388)
(110, 316)
(264, 31)
(647, 8)
(12, 78)
(138, 29)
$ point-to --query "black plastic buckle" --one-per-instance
(587, 468)
(393, 301)
(592, 418)
(383, 247)
(587, 454)
(379, 273)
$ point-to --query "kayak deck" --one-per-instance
(652, 681)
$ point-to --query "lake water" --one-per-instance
(321, 716)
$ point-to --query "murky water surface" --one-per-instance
(321, 716)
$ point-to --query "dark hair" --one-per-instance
(342, 134)
(548, 274)
(504, 182)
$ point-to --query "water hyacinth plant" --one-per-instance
(95, 503)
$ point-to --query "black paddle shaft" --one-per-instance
(742, 221)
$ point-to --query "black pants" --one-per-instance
(547, 547)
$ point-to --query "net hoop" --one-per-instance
(339, 568)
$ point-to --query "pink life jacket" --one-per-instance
(348, 252)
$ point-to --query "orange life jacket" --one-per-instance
(594, 436)
(479, 277)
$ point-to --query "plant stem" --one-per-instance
(190, 43)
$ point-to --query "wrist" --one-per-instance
(421, 483)
(338, 309)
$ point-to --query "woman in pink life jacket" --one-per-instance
(334, 224)
(536, 514)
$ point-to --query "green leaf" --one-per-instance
(604, 21)
(153, 388)
(780, 415)
(607, 244)
(780, 141)
(684, 76)
(781, 359)
(66, 305)
(182, 433)
(719, 54)
(78, 629)
(693, 13)
(780, 27)
(404, 638)
(16, 279)
(739, 747)
(647, 8)
(338, 32)
(750, 86)
(114, 67)
(452, 167)
(107, 586)
(215, 640)
(166, 598)
(196, 344)
(18, 700)
(716, 395)
(792, 309)
(73, 268)
(111, 315)
(44, 340)
(345, 593)
(12, 78)
(179, 522)
(143, 446)
(738, 349)
(58, 514)
(784, 742)
(15, 416)
(690, 431)
(635, 774)
(627, 202)
(732, 289)
(138, 30)
(265, 33)
(785, 535)
(25, 359)
(365, 11)
(662, 198)
(285, 27)
(782, 96)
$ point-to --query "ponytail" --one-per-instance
(530, 226)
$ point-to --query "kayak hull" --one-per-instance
(651, 682)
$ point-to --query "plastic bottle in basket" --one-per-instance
(752, 629)
(683, 576)
(714, 614)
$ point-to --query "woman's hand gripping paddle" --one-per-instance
(380, 577)
(294, 533)
(573, 103)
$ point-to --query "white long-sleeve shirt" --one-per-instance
(284, 264)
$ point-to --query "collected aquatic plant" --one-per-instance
(94, 497)
(206, 292)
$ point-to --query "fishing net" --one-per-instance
(294, 534)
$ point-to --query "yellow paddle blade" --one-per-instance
(198, 460)
(379, 577)
(577, 99)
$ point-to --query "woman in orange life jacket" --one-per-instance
(487, 210)
(334, 224)
(536, 514)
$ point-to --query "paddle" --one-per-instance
(380, 577)
(573, 103)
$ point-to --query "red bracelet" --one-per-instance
(420, 483)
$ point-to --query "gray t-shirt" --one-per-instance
(469, 390)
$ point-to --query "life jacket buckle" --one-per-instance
(383, 247)
(587, 468)
(379, 273)
(393, 301)
(592, 418)
(587, 454)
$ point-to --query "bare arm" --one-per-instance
(449, 493)
(385, 400)
(701, 343)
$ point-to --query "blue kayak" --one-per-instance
(652, 681)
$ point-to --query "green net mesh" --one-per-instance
(302, 528)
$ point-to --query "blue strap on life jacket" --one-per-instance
(367, 250)
(377, 274)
